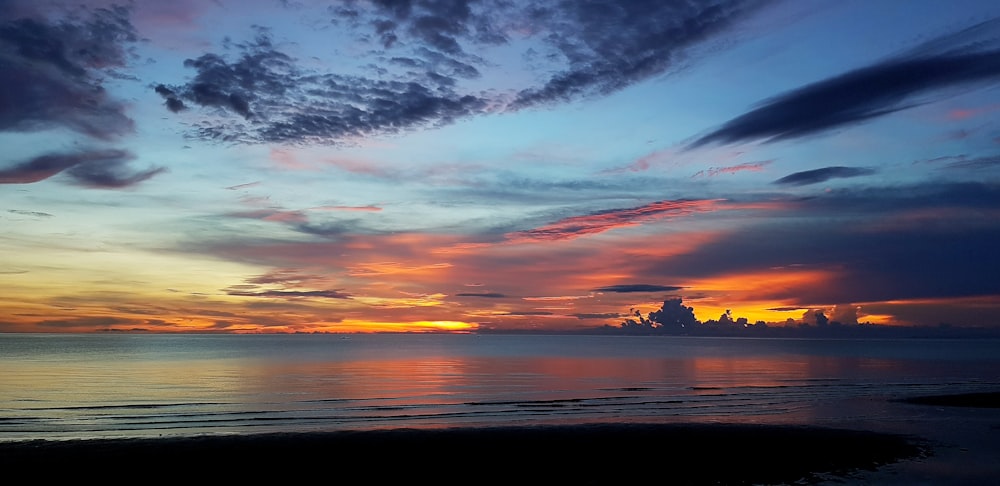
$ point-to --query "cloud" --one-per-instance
(608, 46)
(243, 186)
(966, 162)
(110, 173)
(96, 322)
(488, 295)
(426, 65)
(732, 169)
(273, 215)
(368, 208)
(816, 176)
(104, 169)
(870, 92)
(602, 221)
(325, 294)
(528, 313)
(605, 315)
(53, 72)
(870, 250)
(629, 288)
(23, 212)
(279, 102)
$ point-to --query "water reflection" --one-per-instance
(183, 386)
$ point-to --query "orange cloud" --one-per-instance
(760, 295)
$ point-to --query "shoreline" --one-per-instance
(586, 453)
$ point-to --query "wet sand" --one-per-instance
(572, 454)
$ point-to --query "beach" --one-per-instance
(499, 410)
(571, 454)
(685, 454)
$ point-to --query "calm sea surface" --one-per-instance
(85, 386)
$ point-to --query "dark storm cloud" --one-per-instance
(598, 47)
(891, 243)
(52, 73)
(870, 92)
(627, 288)
(816, 176)
(105, 169)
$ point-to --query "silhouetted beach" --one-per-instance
(572, 454)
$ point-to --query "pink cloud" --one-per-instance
(274, 215)
(643, 163)
(358, 167)
(287, 160)
(744, 167)
(959, 114)
(600, 222)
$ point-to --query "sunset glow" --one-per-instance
(340, 166)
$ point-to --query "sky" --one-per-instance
(460, 165)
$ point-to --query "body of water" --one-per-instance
(83, 386)
(129, 385)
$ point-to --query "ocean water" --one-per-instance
(130, 385)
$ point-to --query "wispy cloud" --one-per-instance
(243, 186)
(816, 176)
(274, 215)
(965, 162)
(22, 212)
(733, 169)
(870, 92)
(103, 169)
(368, 208)
(599, 222)
(488, 295)
(631, 288)
(609, 46)
(286, 294)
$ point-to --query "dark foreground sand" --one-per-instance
(976, 400)
(577, 454)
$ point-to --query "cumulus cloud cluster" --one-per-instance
(426, 53)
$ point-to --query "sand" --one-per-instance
(571, 454)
